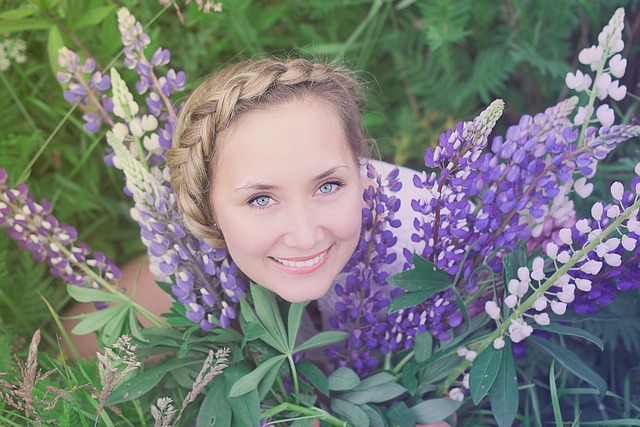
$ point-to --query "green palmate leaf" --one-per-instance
(350, 412)
(463, 308)
(253, 331)
(423, 346)
(246, 408)
(81, 294)
(322, 339)
(434, 410)
(407, 300)
(249, 318)
(409, 380)
(115, 327)
(315, 376)
(572, 331)
(377, 388)
(54, 43)
(93, 17)
(483, 372)
(267, 310)
(215, 410)
(572, 363)
(343, 379)
(504, 391)
(400, 415)
(144, 382)
(267, 382)
(27, 24)
(293, 322)
(17, 13)
(134, 327)
(424, 277)
(93, 321)
(375, 380)
(252, 379)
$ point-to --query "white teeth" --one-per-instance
(302, 264)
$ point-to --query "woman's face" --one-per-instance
(287, 196)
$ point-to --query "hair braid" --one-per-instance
(217, 103)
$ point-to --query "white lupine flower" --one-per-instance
(583, 284)
(616, 92)
(540, 304)
(120, 131)
(583, 188)
(517, 287)
(602, 86)
(498, 343)
(612, 243)
(614, 260)
(456, 394)
(591, 267)
(519, 330)
(124, 106)
(542, 319)
(465, 381)
(613, 211)
(523, 274)
(558, 308)
(152, 143)
(149, 123)
(564, 257)
(135, 126)
(471, 355)
(582, 226)
(601, 250)
(565, 236)
(552, 250)
(565, 297)
(637, 169)
(617, 190)
(617, 65)
(569, 288)
(511, 301)
(578, 81)
(537, 272)
(628, 243)
(462, 351)
(590, 55)
(492, 309)
(605, 115)
(580, 116)
(633, 225)
(596, 211)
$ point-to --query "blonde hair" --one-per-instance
(219, 101)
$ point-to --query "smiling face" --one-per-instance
(287, 195)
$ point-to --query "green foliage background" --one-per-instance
(427, 65)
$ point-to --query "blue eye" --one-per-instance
(261, 201)
(330, 187)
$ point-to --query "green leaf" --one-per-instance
(375, 380)
(114, 328)
(555, 402)
(343, 379)
(423, 346)
(322, 339)
(248, 318)
(17, 13)
(215, 410)
(407, 300)
(409, 380)
(246, 408)
(54, 43)
(434, 410)
(424, 277)
(252, 379)
(377, 394)
(27, 24)
(315, 376)
(572, 363)
(463, 309)
(81, 294)
(253, 331)
(484, 372)
(140, 384)
(134, 327)
(503, 395)
(572, 331)
(93, 321)
(93, 17)
(294, 320)
(401, 415)
(267, 382)
(352, 413)
(376, 418)
(267, 310)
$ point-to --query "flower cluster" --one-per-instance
(31, 224)
(363, 293)
(12, 50)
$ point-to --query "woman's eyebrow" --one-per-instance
(329, 172)
(256, 186)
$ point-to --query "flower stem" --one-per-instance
(592, 98)
(294, 374)
(313, 411)
(578, 256)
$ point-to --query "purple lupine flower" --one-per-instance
(31, 224)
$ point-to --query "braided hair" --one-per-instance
(218, 102)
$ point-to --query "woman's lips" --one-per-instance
(302, 265)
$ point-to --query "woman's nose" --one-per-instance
(303, 228)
